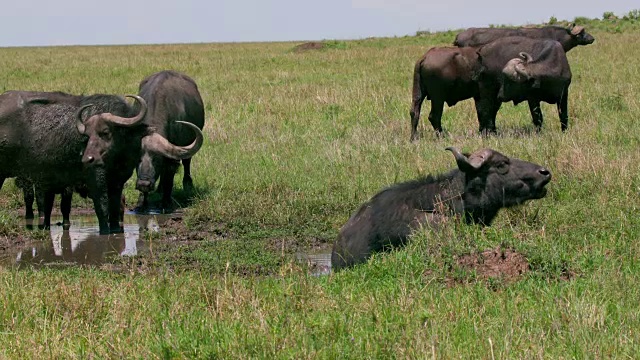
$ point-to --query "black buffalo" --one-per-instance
(483, 183)
(569, 37)
(443, 74)
(172, 97)
(522, 69)
(113, 151)
(41, 144)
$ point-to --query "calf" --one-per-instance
(442, 74)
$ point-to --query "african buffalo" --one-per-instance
(172, 97)
(483, 183)
(569, 37)
(517, 69)
(41, 142)
(442, 74)
(113, 152)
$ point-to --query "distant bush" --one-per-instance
(633, 15)
(610, 22)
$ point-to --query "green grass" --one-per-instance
(295, 142)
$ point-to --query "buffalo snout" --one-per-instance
(544, 172)
(144, 186)
(89, 160)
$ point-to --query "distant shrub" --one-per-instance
(335, 44)
(552, 20)
(632, 15)
(608, 15)
(581, 20)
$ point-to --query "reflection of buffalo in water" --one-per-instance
(82, 246)
(78, 248)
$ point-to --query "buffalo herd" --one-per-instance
(496, 65)
(59, 143)
(54, 142)
(492, 66)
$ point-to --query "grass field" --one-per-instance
(295, 142)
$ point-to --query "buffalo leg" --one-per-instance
(100, 196)
(65, 207)
(49, 196)
(435, 115)
(115, 204)
(28, 195)
(143, 202)
(536, 113)
(187, 181)
(563, 111)
(487, 111)
(415, 114)
(166, 184)
(40, 200)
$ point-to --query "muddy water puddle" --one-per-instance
(82, 244)
(318, 262)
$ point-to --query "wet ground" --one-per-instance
(82, 245)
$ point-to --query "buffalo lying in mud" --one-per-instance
(483, 183)
(522, 69)
(569, 37)
(443, 74)
(172, 98)
(42, 146)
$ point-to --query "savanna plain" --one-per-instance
(295, 142)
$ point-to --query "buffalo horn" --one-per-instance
(160, 145)
(121, 121)
(575, 30)
(80, 120)
(526, 57)
(473, 162)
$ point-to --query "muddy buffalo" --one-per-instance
(569, 37)
(483, 183)
(522, 69)
(442, 75)
(41, 143)
(172, 98)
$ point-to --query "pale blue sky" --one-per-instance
(75, 22)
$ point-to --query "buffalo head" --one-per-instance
(156, 149)
(503, 181)
(100, 129)
(516, 70)
(579, 35)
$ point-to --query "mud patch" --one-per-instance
(502, 265)
(313, 45)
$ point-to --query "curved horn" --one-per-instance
(526, 57)
(79, 120)
(160, 145)
(122, 121)
(461, 160)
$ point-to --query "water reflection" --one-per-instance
(82, 244)
(319, 263)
